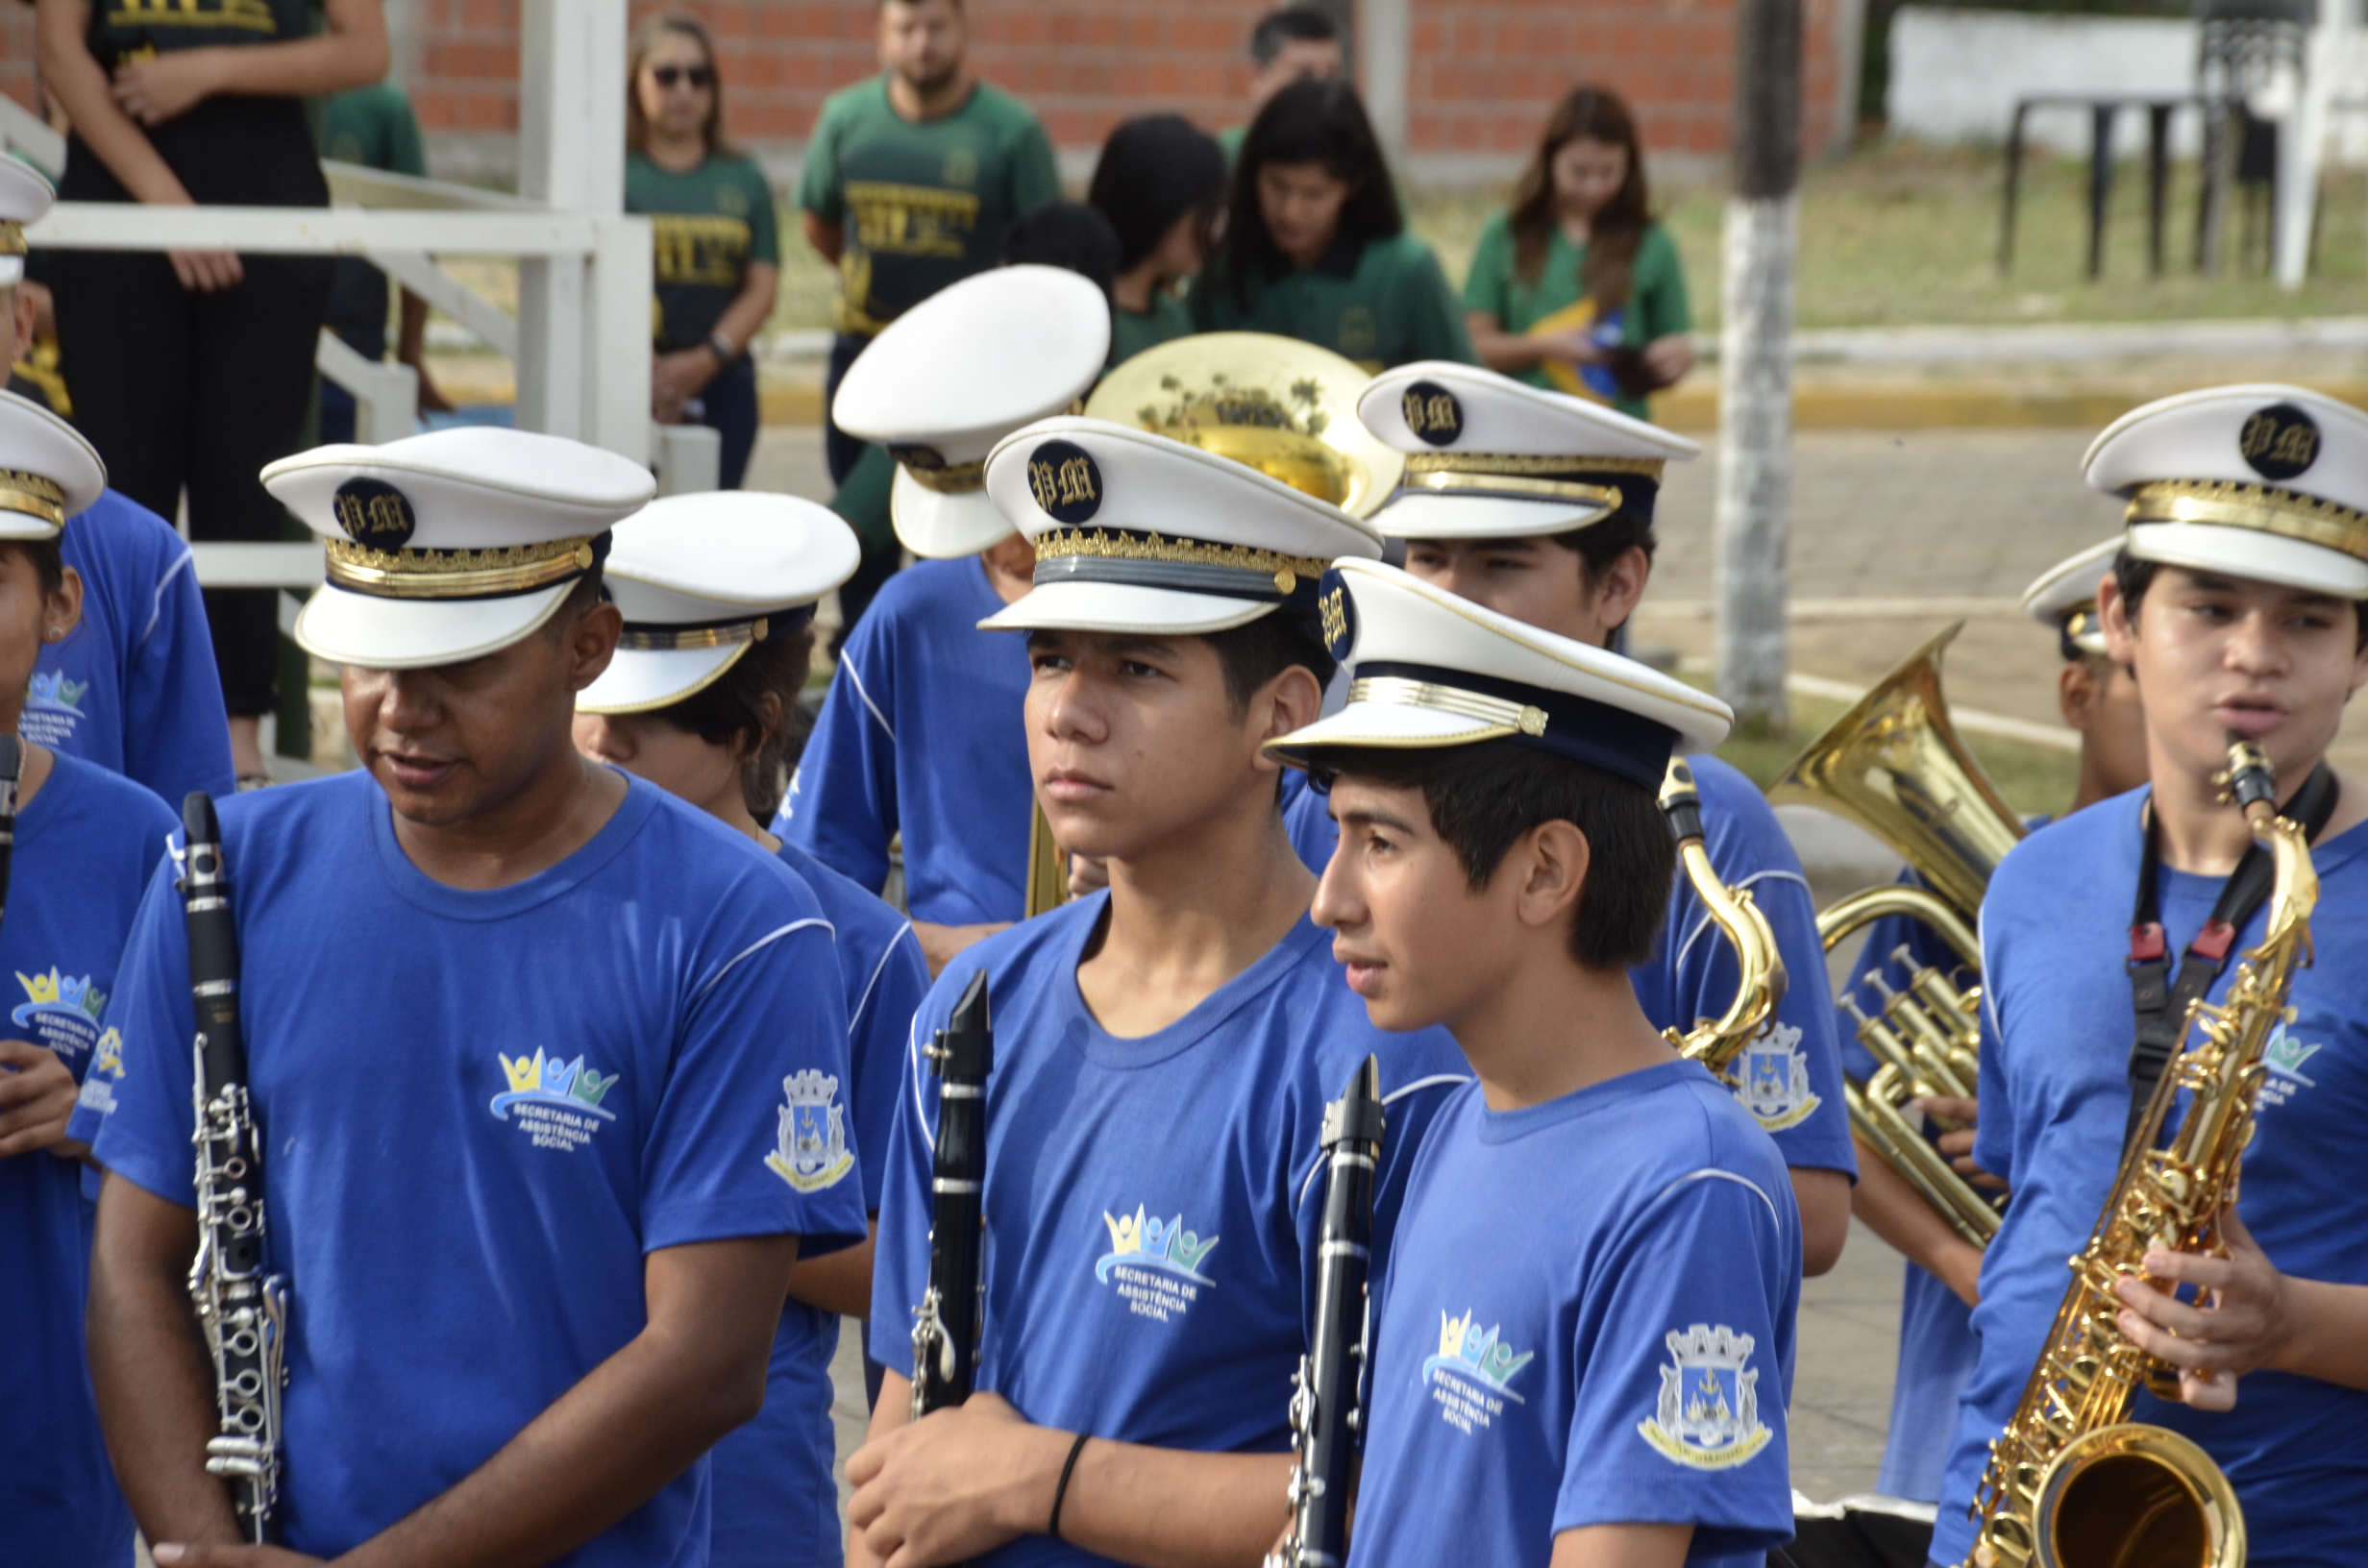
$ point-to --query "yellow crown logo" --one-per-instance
(524, 1073)
(1125, 1233)
(39, 988)
(1451, 1331)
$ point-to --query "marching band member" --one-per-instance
(85, 840)
(548, 1062)
(132, 687)
(1539, 506)
(1165, 1049)
(2236, 600)
(1584, 1337)
(920, 734)
(2098, 699)
(718, 594)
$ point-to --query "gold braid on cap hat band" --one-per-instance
(2264, 508)
(1519, 475)
(11, 240)
(1287, 571)
(661, 639)
(455, 574)
(950, 479)
(34, 495)
(1396, 691)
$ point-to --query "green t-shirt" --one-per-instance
(708, 225)
(1230, 140)
(863, 500)
(1383, 305)
(1656, 303)
(374, 127)
(1168, 318)
(930, 201)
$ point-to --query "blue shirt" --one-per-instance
(132, 688)
(1152, 1203)
(485, 1110)
(1586, 1320)
(2056, 1036)
(84, 846)
(922, 733)
(776, 1503)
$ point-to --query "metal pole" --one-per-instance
(1385, 42)
(1755, 404)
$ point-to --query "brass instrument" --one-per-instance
(1284, 407)
(1715, 1042)
(1047, 867)
(1895, 766)
(2070, 1482)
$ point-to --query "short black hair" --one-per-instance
(1067, 235)
(1290, 24)
(1255, 653)
(1484, 796)
(1307, 122)
(1153, 170)
(581, 595)
(2135, 576)
(1599, 543)
(729, 710)
(48, 561)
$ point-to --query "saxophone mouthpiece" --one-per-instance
(1680, 801)
(2249, 779)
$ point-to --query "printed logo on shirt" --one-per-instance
(1470, 1378)
(961, 168)
(98, 1091)
(1155, 1264)
(1770, 1079)
(53, 708)
(811, 1141)
(2284, 1056)
(1360, 333)
(559, 1103)
(1708, 1416)
(60, 1012)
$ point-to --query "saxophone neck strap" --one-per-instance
(2162, 1000)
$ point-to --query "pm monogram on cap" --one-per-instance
(1337, 611)
(2280, 441)
(1432, 412)
(1064, 481)
(375, 513)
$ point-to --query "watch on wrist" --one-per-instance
(724, 350)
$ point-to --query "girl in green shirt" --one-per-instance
(1575, 288)
(1161, 181)
(1315, 247)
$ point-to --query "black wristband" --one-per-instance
(1060, 1492)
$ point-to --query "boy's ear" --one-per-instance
(1549, 866)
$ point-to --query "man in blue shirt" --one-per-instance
(2236, 600)
(547, 1063)
(132, 686)
(1539, 506)
(1164, 1050)
(85, 840)
(920, 734)
(1583, 1345)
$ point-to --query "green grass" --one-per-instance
(2033, 779)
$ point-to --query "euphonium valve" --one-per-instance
(1715, 1042)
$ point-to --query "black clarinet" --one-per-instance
(242, 1309)
(12, 768)
(1324, 1415)
(946, 1338)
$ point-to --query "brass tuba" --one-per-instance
(1894, 765)
(2071, 1481)
(1715, 1042)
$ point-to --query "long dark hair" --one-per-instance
(647, 36)
(1152, 171)
(1307, 122)
(1613, 234)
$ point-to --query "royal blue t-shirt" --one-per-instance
(1790, 1077)
(2057, 1027)
(484, 1110)
(775, 1504)
(1152, 1204)
(84, 846)
(1586, 1320)
(132, 688)
(924, 733)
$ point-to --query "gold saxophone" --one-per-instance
(1047, 867)
(2070, 1482)
(1715, 1042)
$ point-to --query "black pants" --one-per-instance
(840, 449)
(185, 390)
(728, 406)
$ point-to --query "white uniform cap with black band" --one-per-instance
(47, 471)
(1490, 457)
(449, 546)
(700, 579)
(2267, 483)
(26, 196)
(2064, 598)
(957, 373)
(1427, 669)
(1138, 533)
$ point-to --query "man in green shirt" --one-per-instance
(910, 179)
(374, 127)
(1291, 43)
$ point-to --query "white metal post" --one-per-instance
(1385, 39)
(571, 155)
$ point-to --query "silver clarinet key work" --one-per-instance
(242, 1306)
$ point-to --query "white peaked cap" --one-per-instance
(2064, 598)
(47, 471)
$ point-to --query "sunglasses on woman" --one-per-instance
(670, 77)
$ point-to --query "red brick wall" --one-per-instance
(1484, 72)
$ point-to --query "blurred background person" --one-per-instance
(1067, 235)
(1160, 184)
(1291, 43)
(1315, 245)
(719, 250)
(374, 127)
(191, 370)
(1574, 287)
